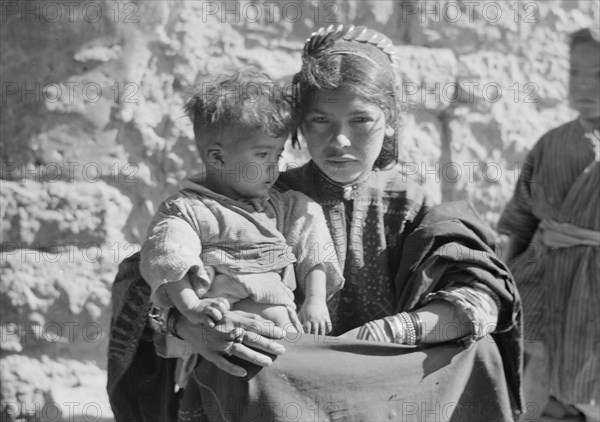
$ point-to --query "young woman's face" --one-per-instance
(344, 134)
(584, 83)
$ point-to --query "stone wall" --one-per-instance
(94, 135)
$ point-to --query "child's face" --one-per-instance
(344, 134)
(250, 165)
(584, 83)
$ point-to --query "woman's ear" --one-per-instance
(214, 155)
(389, 131)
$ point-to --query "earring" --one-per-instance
(389, 131)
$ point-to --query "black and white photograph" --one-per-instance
(299, 210)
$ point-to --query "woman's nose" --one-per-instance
(341, 141)
(341, 137)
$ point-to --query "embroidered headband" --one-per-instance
(350, 39)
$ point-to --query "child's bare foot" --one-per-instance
(314, 317)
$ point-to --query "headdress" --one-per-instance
(350, 39)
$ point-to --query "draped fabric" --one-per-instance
(560, 286)
(140, 384)
(338, 379)
(395, 250)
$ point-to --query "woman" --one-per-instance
(398, 254)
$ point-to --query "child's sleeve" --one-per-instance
(172, 250)
(307, 233)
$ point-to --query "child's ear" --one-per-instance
(214, 155)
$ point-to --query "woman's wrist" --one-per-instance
(403, 328)
(164, 320)
(173, 318)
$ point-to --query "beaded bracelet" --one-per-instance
(411, 336)
(413, 327)
(418, 324)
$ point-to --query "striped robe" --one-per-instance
(560, 287)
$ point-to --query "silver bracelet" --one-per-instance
(157, 319)
(411, 334)
(164, 320)
(397, 329)
(172, 319)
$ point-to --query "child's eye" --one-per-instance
(361, 119)
(319, 119)
(262, 154)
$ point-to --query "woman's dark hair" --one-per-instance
(360, 68)
(583, 36)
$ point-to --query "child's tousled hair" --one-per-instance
(247, 99)
(358, 60)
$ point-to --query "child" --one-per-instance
(227, 232)
(555, 216)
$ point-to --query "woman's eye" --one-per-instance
(262, 154)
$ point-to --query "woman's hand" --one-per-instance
(239, 334)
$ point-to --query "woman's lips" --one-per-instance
(341, 159)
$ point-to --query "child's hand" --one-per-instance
(315, 317)
(207, 311)
(197, 311)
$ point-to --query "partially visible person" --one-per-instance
(553, 224)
